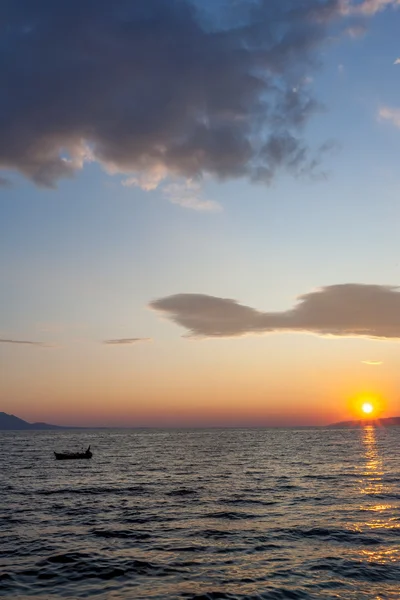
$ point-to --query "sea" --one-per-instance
(201, 514)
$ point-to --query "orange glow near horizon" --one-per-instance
(191, 387)
(194, 399)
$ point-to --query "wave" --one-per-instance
(95, 490)
(143, 520)
(182, 492)
(243, 501)
(357, 569)
(122, 534)
(215, 534)
(273, 594)
(228, 515)
(336, 535)
(74, 567)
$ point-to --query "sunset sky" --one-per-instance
(199, 211)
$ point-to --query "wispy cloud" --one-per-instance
(356, 31)
(372, 363)
(148, 180)
(126, 341)
(390, 114)
(350, 310)
(27, 342)
(397, 61)
(188, 194)
(367, 8)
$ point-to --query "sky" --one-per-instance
(199, 211)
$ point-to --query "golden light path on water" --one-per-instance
(373, 484)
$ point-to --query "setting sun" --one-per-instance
(365, 405)
(367, 408)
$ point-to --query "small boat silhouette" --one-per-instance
(73, 455)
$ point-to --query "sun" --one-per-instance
(366, 405)
(367, 408)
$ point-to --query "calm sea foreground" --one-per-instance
(201, 514)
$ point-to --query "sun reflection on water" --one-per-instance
(373, 485)
(389, 555)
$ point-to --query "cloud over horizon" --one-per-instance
(350, 310)
(373, 363)
(126, 341)
(27, 342)
(152, 89)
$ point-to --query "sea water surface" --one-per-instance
(201, 514)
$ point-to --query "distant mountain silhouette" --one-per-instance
(12, 423)
(390, 422)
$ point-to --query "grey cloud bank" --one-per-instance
(160, 87)
(349, 310)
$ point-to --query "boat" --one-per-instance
(73, 455)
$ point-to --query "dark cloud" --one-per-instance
(341, 310)
(30, 343)
(158, 86)
(126, 341)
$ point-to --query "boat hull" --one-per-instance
(78, 456)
